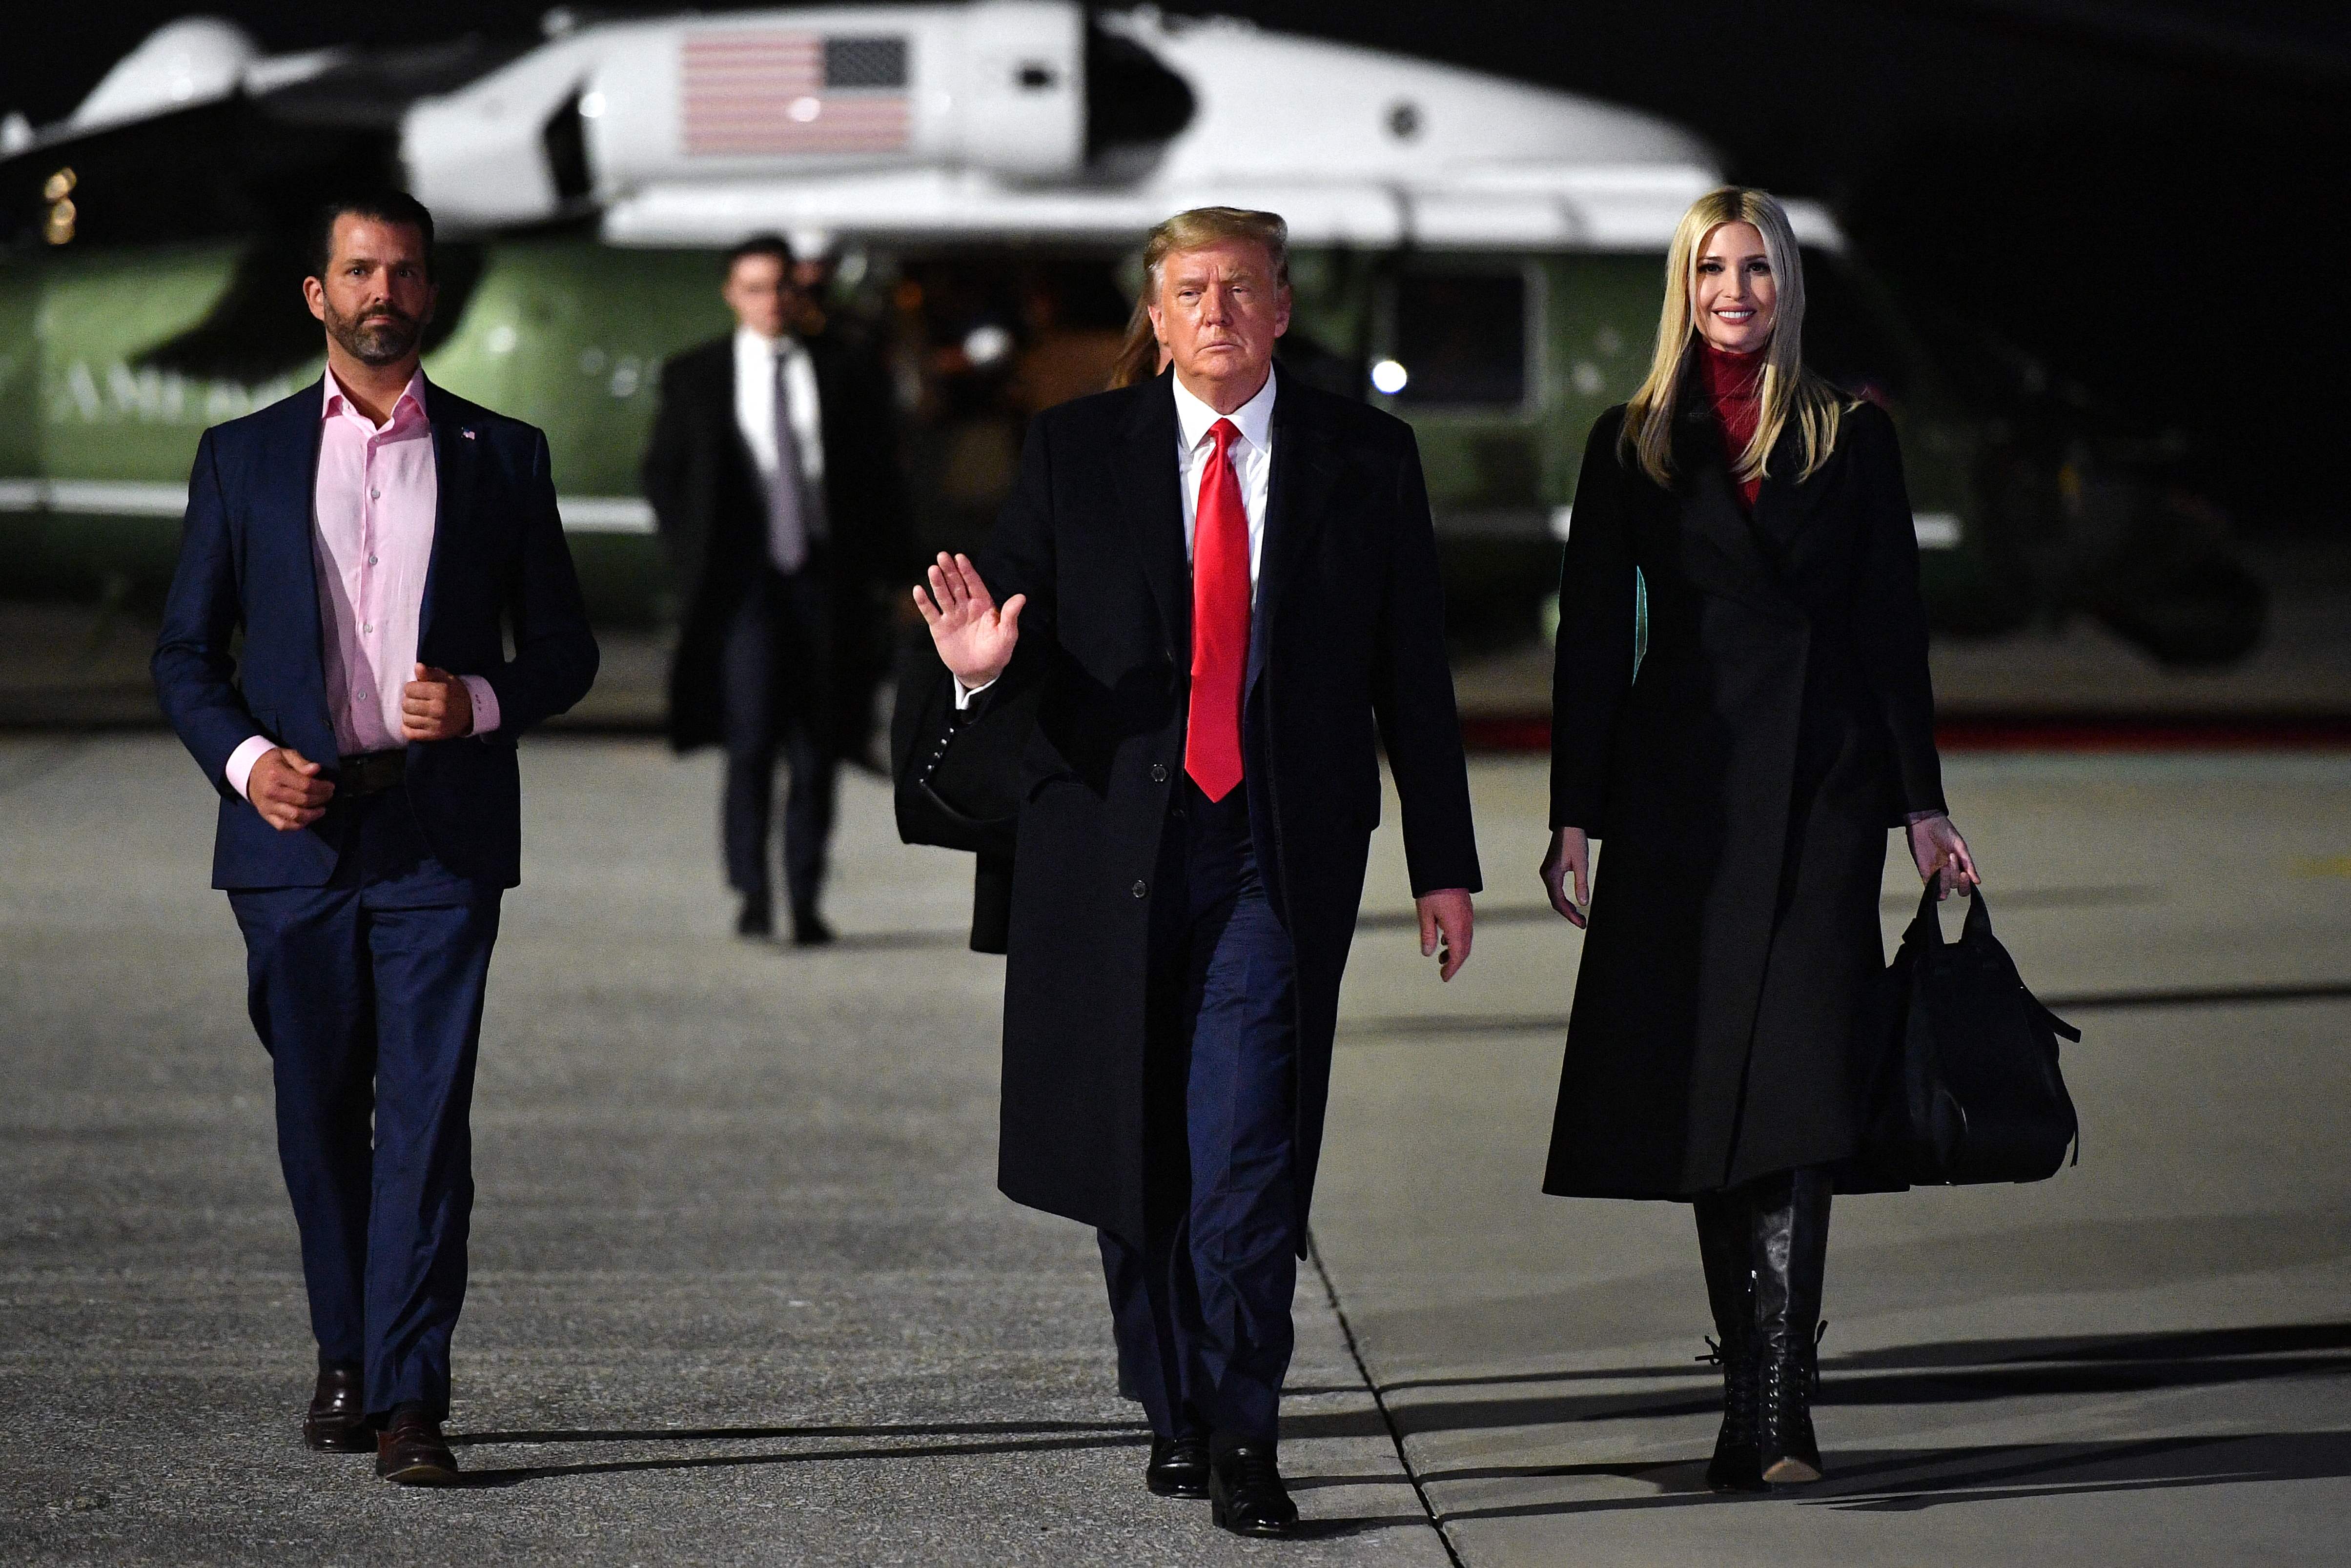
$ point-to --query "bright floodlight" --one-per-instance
(987, 344)
(1389, 377)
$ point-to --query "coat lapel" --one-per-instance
(290, 482)
(1155, 512)
(1780, 509)
(1713, 513)
(1305, 472)
(830, 397)
(457, 455)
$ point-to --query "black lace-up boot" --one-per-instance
(1726, 1245)
(1792, 1240)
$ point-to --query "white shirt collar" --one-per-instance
(1253, 419)
(747, 342)
(337, 400)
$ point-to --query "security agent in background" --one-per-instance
(375, 538)
(773, 475)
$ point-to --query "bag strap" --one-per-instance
(2063, 1029)
(1979, 921)
(1926, 927)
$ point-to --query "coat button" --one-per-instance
(1140, 890)
(1159, 773)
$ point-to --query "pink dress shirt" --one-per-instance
(371, 517)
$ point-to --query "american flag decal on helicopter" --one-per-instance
(765, 93)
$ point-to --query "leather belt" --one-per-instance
(369, 773)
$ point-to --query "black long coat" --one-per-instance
(711, 510)
(1781, 722)
(1347, 654)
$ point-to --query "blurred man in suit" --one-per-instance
(773, 475)
(375, 538)
(1221, 586)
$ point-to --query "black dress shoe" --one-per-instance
(757, 920)
(1246, 1493)
(1178, 1468)
(411, 1452)
(809, 929)
(336, 1422)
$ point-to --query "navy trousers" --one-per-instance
(1201, 1308)
(367, 994)
(777, 678)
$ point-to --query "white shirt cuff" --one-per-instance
(239, 770)
(964, 693)
(486, 704)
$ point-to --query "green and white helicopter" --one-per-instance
(1481, 255)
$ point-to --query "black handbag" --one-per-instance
(1968, 1089)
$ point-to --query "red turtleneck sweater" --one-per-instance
(1734, 386)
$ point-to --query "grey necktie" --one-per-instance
(789, 500)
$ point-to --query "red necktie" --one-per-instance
(1220, 622)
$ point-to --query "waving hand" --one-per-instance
(974, 639)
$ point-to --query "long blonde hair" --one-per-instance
(1788, 388)
(1139, 352)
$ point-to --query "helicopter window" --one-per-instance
(1461, 339)
(864, 62)
(1131, 98)
(565, 140)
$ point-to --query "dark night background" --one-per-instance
(2146, 198)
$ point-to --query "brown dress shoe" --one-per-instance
(412, 1453)
(335, 1423)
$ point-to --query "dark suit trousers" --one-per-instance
(777, 675)
(1201, 1309)
(367, 993)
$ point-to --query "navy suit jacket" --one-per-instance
(498, 563)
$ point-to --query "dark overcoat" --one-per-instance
(1346, 655)
(712, 512)
(1780, 723)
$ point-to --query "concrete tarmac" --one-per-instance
(743, 1290)
(2142, 1360)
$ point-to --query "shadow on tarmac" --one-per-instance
(1909, 1481)
(1955, 1371)
(1017, 1437)
(1134, 1430)
(877, 942)
(2178, 1346)
(1125, 1437)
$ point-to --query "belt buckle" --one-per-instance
(371, 772)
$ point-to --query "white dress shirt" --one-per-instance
(756, 362)
(1252, 460)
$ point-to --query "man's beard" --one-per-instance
(383, 336)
